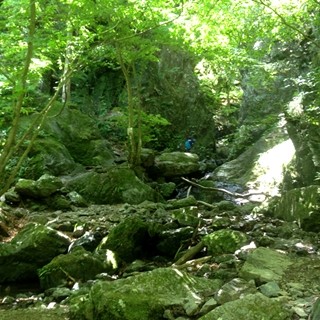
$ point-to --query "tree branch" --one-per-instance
(234, 194)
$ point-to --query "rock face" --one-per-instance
(302, 205)
(117, 185)
(147, 296)
(69, 140)
(30, 249)
(260, 167)
(305, 137)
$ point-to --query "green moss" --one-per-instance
(224, 241)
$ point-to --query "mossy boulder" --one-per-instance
(44, 187)
(33, 247)
(130, 239)
(265, 265)
(69, 140)
(171, 164)
(48, 155)
(252, 306)
(81, 136)
(143, 297)
(302, 205)
(117, 185)
(79, 265)
(224, 241)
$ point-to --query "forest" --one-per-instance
(106, 211)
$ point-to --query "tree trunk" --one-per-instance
(134, 133)
(20, 90)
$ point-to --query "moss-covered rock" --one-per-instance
(130, 239)
(80, 134)
(143, 297)
(48, 155)
(44, 187)
(253, 307)
(117, 185)
(68, 141)
(79, 265)
(224, 241)
(33, 247)
(265, 265)
(176, 164)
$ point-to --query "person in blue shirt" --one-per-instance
(188, 144)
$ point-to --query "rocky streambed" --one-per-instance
(177, 259)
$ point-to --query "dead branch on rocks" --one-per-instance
(234, 194)
(192, 263)
(190, 253)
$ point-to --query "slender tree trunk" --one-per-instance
(133, 134)
(20, 91)
(66, 89)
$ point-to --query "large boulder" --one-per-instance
(172, 164)
(69, 140)
(81, 136)
(49, 155)
(117, 185)
(252, 306)
(33, 247)
(146, 296)
(265, 265)
(130, 239)
(79, 265)
(44, 187)
(302, 205)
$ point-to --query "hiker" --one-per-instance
(188, 144)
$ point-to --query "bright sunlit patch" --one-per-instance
(269, 168)
(39, 64)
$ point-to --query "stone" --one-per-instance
(265, 265)
(117, 185)
(79, 265)
(44, 187)
(181, 203)
(208, 306)
(270, 289)
(173, 164)
(33, 247)
(170, 240)
(252, 306)
(129, 240)
(234, 289)
(76, 199)
(144, 296)
(224, 241)
(12, 197)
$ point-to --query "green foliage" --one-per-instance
(114, 127)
